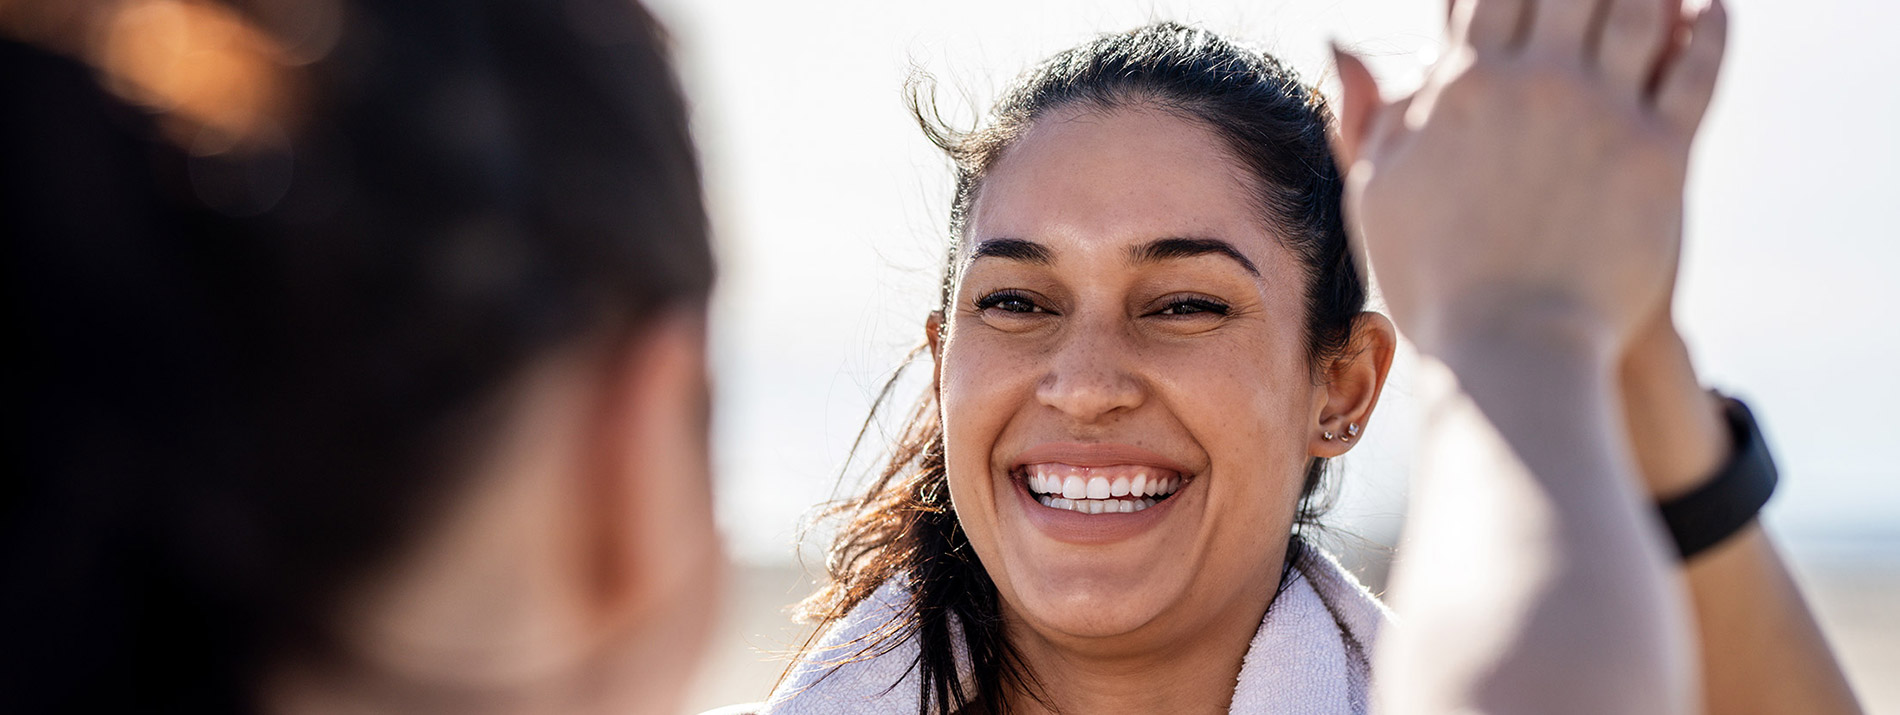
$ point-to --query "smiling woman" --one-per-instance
(1151, 339)
(1123, 357)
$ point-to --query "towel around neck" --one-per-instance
(1310, 655)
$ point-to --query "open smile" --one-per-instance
(1097, 492)
(1109, 489)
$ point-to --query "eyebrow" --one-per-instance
(1017, 249)
(1170, 248)
(1014, 249)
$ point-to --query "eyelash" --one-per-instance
(1198, 305)
(997, 299)
(1182, 307)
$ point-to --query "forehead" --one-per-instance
(1092, 180)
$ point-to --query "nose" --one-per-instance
(1088, 376)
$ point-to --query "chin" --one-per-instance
(1084, 573)
(1090, 605)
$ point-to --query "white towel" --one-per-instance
(1309, 656)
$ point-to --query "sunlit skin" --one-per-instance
(577, 571)
(1573, 120)
(1079, 320)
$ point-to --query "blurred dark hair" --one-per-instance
(243, 376)
(903, 525)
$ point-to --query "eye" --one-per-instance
(1178, 307)
(1009, 301)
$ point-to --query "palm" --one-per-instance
(1528, 178)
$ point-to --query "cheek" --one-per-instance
(978, 396)
(986, 381)
(1249, 404)
(1249, 412)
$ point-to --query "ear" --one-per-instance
(653, 550)
(1354, 381)
(933, 333)
(651, 482)
(579, 559)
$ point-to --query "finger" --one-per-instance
(1687, 84)
(1388, 126)
(1674, 39)
(1634, 36)
(1359, 102)
(1488, 25)
(1385, 128)
(1558, 28)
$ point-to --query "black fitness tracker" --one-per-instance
(1733, 497)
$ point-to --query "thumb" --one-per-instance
(1359, 103)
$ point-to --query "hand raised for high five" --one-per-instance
(1524, 203)
(1522, 212)
(1535, 181)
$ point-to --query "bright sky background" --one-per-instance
(829, 207)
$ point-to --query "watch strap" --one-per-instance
(1733, 497)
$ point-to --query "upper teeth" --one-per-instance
(1144, 483)
(1074, 482)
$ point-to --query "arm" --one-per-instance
(1761, 651)
(1523, 210)
(1531, 579)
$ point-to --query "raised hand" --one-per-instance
(1522, 213)
(1530, 193)
(1535, 181)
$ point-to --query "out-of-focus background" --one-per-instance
(829, 209)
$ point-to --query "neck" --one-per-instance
(1178, 665)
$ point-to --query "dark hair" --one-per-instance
(244, 376)
(903, 526)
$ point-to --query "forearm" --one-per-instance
(1533, 578)
(1761, 651)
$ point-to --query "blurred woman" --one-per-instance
(1153, 336)
(358, 356)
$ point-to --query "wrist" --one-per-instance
(1677, 428)
(1520, 380)
(1727, 501)
(1483, 352)
(1516, 322)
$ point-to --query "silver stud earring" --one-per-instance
(1328, 436)
(1352, 430)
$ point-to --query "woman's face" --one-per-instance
(1128, 411)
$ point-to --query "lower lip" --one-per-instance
(1075, 527)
